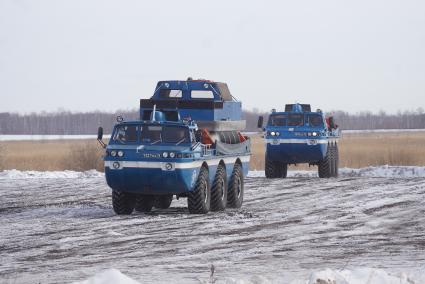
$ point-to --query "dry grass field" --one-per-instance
(356, 150)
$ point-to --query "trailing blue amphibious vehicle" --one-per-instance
(297, 136)
(187, 143)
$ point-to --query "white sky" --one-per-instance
(106, 55)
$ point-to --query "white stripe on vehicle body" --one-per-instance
(176, 165)
(299, 141)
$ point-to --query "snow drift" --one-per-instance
(327, 276)
(379, 171)
(15, 174)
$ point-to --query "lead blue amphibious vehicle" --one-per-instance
(187, 143)
(297, 136)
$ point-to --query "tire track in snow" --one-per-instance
(65, 230)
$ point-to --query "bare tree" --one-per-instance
(67, 123)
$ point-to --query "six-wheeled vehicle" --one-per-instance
(187, 143)
(298, 135)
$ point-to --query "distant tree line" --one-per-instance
(68, 123)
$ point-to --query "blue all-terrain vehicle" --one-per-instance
(297, 136)
(187, 143)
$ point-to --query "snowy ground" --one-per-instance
(10, 137)
(359, 228)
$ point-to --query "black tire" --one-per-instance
(123, 202)
(163, 201)
(284, 170)
(336, 161)
(144, 203)
(199, 200)
(219, 190)
(325, 164)
(273, 169)
(236, 188)
(332, 160)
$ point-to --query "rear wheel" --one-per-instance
(144, 203)
(325, 164)
(219, 190)
(198, 200)
(336, 156)
(163, 201)
(333, 165)
(284, 170)
(236, 188)
(123, 202)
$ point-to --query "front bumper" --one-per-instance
(151, 177)
(296, 151)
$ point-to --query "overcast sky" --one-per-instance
(106, 55)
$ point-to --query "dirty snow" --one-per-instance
(327, 276)
(6, 137)
(379, 171)
(294, 230)
(15, 174)
(12, 137)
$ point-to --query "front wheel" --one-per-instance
(273, 169)
(198, 200)
(163, 201)
(123, 202)
(236, 188)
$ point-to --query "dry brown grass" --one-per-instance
(366, 149)
(356, 150)
(2, 153)
(398, 149)
(52, 155)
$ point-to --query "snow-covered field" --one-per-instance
(367, 226)
(7, 137)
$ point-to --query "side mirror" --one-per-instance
(100, 133)
(100, 136)
(260, 122)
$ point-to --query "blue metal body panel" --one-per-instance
(220, 109)
(157, 181)
(295, 153)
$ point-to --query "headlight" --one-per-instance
(113, 153)
(277, 133)
(314, 133)
(272, 133)
(120, 153)
(165, 154)
(172, 155)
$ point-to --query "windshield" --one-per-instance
(126, 133)
(315, 120)
(278, 120)
(151, 134)
(154, 134)
(296, 119)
